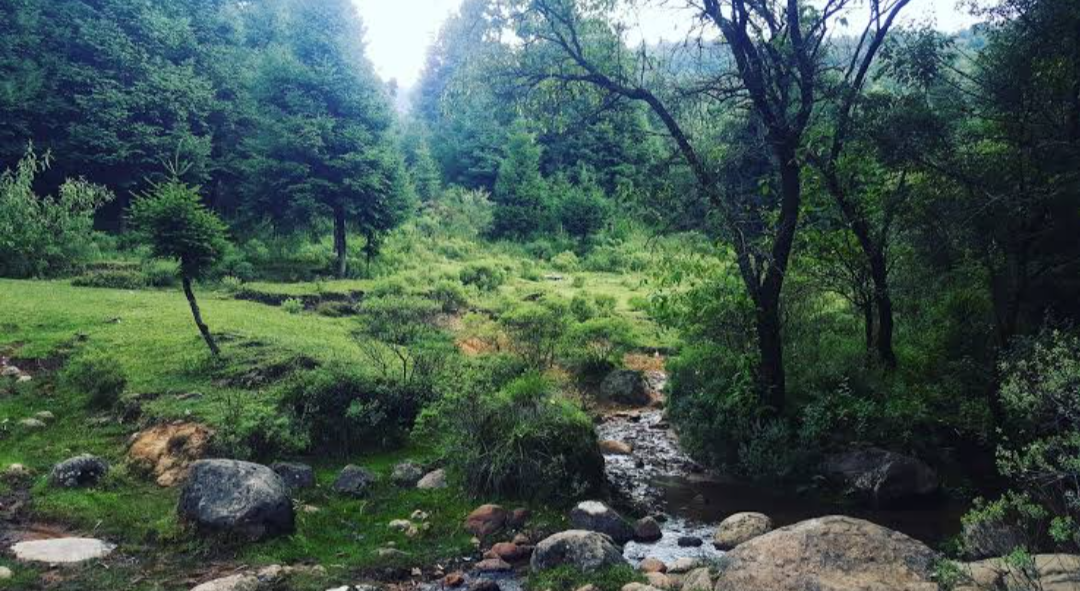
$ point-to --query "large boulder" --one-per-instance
(626, 386)
(167, 451)
(830, 554)
(991, 537)
(436, 479)
(740, 528)
(586, 551)
(354, 481)
(84, 470)
(881, 475)
(406, 474)
(236, 497)
(1047, 572)
(486, 520)
(296, 476)
(647, 529)
(596, 516)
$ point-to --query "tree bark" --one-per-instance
(203, 329)
(340, 241)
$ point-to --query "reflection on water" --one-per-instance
(710, 501)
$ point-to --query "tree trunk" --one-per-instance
(879, 272)
(771, 376)
(340, 241)
(203, 329)
(868, 327)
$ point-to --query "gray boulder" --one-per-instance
(740, 528)
(881, 475)
(598, 517)
(84, 470)
(406, 474)
(586, 551)
(296, 476)
(433, 480)
(625, 386)
(830, 554)
(354, 481)
(647, 529)
(992, 537)
(243, 498)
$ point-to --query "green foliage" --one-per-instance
(568, 578)
(596, 346)
(45, 236)
(96, 375)
(403, 325)
(458, 212)
(111, 278)
(524, 441)
(536, 329)
(485, 276)
(565, 261)
(582, 307)
(176, 225)
(293, 305)
(341, 410)
(522, 208)
(450, 296)
(583, 209)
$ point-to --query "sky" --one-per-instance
(400, 31)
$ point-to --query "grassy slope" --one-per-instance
(152, 335)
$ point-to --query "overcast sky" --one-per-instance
(399, 31)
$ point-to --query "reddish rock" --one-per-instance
(652, 565)
(486, 520)
(454, 579)
(518, 518)
(167, 451)
(511, 552)
(493, 565)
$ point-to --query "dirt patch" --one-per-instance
(166, 451)
(310, 301)
(645, 362)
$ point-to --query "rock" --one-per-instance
(829, 554)
(10, 371)
(521, 539)
(596, 516)
(84, 470)
(401, 525)
(512, 552)
(486, 520)
(236, 497)
(1049, 572)
(167, 451)
(406, 474)
(739, 528)
(32, 424)
(484, 585)
(638, 587)
(296, 476)
(587, 551)
(647, 529)
(15, 472)
(659, 580)
(454, 579)
(518, 518)
(230, 583)
(23, 379)
(698, 579)
(62, 550)
(652, 565)
(882, 475)
(989, 538)
(354, 481)
(625, 386)
(589, 587)
(683, 565)
(45, 416)
(610, 447)
(5, 573)
(435, 479)
(493, 565)
(419, 515)
(690, 542)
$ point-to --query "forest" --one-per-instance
(786, 301)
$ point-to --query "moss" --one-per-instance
(566, 578)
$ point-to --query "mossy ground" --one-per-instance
(151, 334)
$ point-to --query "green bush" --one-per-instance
(400, 339)
(536, 329)
(582, 307)
(97, 375)
(341, 410)
(450, 296)
(111, 279)
(161, 273)
(566, 262)
(253, 429)
(524, 441)
(231, 284)
(485, 277)
(596, 347)
(293, 305)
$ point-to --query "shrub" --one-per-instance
(485, 277)
(450, 296)
(605, 304)
(256, 430)
(403, 325)
(97, 375)
(582, 308)
(161, 273)
(340, 410)
(583, 210)
(566, 262)
(536, 329)
(111, 279)
(232, 284)
(335, 309)
(293, 305)
(45, 236)
(595, 347)
(524, 441)
(578, 282)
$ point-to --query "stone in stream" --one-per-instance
(586, 551)
(652, 565)
(610, 447)
(647, 530)
(62, 550)
(354, 481)
(625, 386)
(596, 516)
(236, 497)
(835, 553)
(296, 476)
(690, 542)
(79, 471)
(683, 565)
(740, 528)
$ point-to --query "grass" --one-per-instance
(566, 578)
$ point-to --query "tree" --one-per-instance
(770, 66)
(173, 221)
(521, 207)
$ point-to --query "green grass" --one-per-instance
(566, 578)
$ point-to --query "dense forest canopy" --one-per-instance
(831, 227)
